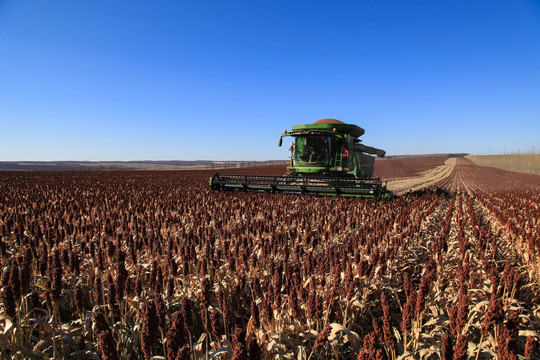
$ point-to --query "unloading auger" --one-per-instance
(327, 158)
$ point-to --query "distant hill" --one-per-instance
(128, 165)
(159, 165)
(449, 155)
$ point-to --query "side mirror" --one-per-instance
(280, 141)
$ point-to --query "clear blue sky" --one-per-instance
(203, 79)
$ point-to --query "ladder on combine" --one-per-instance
(338, 162)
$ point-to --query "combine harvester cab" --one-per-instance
(327, 158)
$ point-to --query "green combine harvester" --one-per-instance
(327, 158)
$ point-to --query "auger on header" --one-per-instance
(327, 158)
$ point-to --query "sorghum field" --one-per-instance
(142, 265)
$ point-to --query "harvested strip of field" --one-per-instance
(469, 175)
(427, 178)
(401, 167)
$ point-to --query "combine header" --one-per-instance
(327, 158)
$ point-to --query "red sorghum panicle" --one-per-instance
(15, 280)
(494, 278)
(255, 314)
(370, 349)
(26, 271)
(99, 323)
(215, 326)
(8, 298)
(460, 351)
(389, 339)
(319, 307)
(187, 314)
(407, 285)
(205, 292)
(254, 350)
(149, 329)
(158, 284)
(184, 353)
(161, 311)
(55, 272)
(121, 276)
(33, 300)
(494, 314)
(447, 348)
(223, 304)
(462, 312)
(377, 331)
(170, 287)
(98, 291)
(78, 297)
(406, 318)
(508, 337)
(107, 345)
(452, 314)
(529, 346)
(267, 306)
(322, 339)
(311, 305)
(349, 283)
(425, 283)
(239, 345)
(175, 334)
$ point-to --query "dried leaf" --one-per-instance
(221, 351)
(532, 333)
(352, 337)
(301, 353)
(8, 325)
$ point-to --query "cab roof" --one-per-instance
(329, 125)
